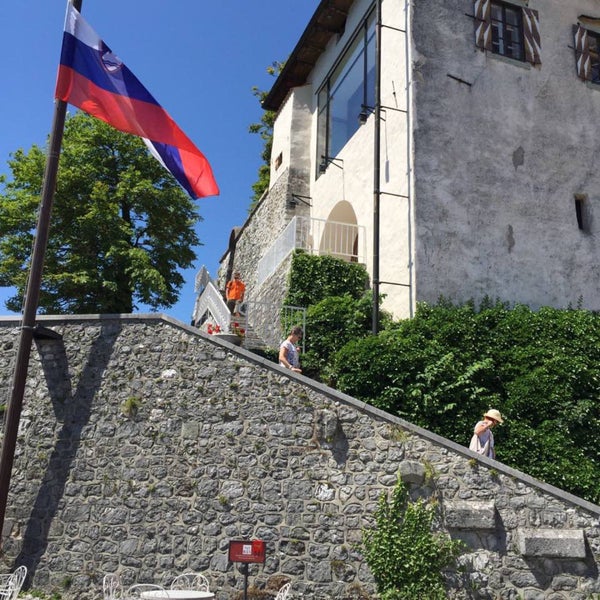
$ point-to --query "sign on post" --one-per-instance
(247, 551)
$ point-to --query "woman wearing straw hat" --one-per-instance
(482, 441)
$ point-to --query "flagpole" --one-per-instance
(32, 295)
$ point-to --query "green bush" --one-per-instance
(446, 366)
(314, 278)
(331, 324)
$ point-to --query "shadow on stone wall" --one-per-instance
(72, 408)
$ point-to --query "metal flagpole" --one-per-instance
(32, 294)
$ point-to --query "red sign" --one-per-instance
(249, 551)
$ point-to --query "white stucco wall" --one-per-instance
(292, 134)
(478, 180)
(354, 182)
(498, 160)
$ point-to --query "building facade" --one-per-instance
(446, 144)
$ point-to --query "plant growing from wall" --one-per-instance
(406, 557)
(130, 407)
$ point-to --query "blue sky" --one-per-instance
(199, 59)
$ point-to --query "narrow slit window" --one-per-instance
(278, 161)
(581, 212)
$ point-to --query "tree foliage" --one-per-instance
(264, 128)
(407, 558)
(121, 226)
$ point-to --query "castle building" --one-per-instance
(449, 145)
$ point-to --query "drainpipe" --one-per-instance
(376, 170)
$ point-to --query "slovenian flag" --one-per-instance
(95, 80)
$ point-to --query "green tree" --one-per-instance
(121, 226)
(264, 128)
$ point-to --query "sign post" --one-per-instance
(246, 552)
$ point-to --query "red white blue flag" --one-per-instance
(95, 80)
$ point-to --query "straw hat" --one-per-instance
(494, 414)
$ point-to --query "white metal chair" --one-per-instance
(136, 590)
(10, 585)
(283, 592)
(111, 587)
(190, 581)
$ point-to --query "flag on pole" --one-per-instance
(95, 80)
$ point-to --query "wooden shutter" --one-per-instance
(483, 24)
(531, 34)
(583, 61)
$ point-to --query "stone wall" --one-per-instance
(145, 446)
(264, 226)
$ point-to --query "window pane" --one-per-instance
(349, 86)
(513, 17)
(370, 83)
(322, 125)
(346, 100)
(594, 49)
(507, 30)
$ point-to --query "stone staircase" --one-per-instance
(240, 326)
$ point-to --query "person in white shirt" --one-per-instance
(482, 441)
(288, 351)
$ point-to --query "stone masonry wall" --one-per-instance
(264, 226)
(145, 446)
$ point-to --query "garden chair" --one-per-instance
(190, 581)
(10, 585)
(112, 587)
(283, 592)
(135, 591)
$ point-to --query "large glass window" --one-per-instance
(349, 86)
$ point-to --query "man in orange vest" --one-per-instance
(234, 293)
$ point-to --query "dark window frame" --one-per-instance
(331, 136)
(508, 37)
(496, 37)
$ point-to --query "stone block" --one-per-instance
(412, 472)
(480, 514)
(555, 543)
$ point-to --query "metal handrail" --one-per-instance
(316, 236)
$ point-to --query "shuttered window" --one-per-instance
(508, 30)
(587, 54)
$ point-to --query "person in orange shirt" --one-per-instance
(234, 293)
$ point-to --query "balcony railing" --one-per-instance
(316, 236)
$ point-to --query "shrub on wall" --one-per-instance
(339, 308)
(331, 324)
